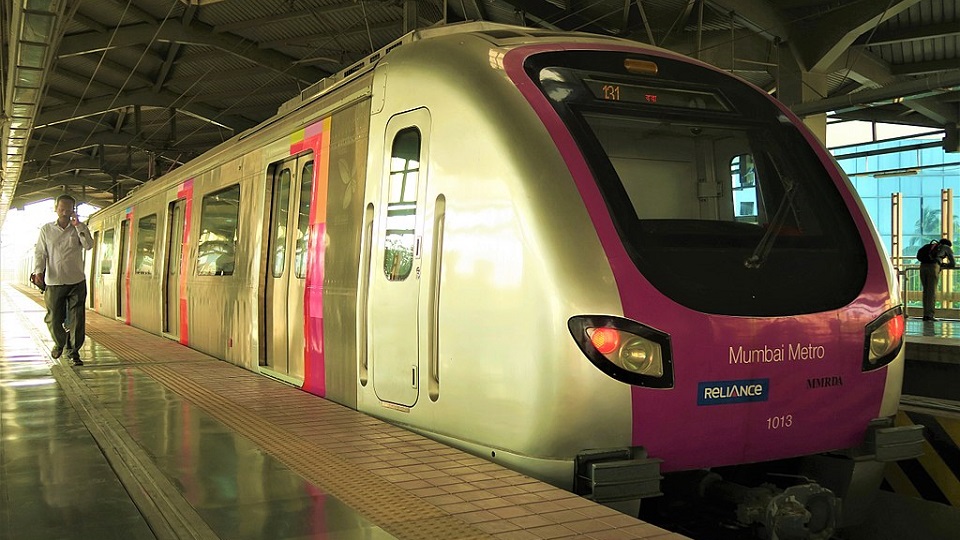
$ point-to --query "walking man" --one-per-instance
(58, 265)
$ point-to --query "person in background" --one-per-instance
(58, 267)
(931, 263)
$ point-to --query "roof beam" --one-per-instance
(887, 117)
(924, 68)
(361, 28)
(287, 16)
(913, 33)
(131, 9)
(216, 76)
(172, 51)
(863, 66)
(195, 34)
(872, 71)
(284, 91)
(29, 194)
(72, 164)
(933, 109)
(145, 98)
(124, 71)
(716, 49)
(896, 92)
(758, 15)
(89, 22)
(87, 81)
(42, 151)
(837, 29)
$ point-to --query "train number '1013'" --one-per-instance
(780, 422)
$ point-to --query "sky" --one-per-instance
(20, 229)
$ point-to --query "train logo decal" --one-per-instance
(724, 392)
(824, 382)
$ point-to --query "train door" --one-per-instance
(105, 272)
(393, 329)
(93, 272)
(287, 267)
(171, 277)
(122, 268)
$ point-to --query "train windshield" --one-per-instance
(718, 198)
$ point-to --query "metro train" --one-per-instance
(601, 263)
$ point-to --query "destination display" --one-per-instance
(652, 95)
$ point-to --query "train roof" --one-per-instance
(500, 34)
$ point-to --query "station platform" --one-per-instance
(931, 398)
(153, 440)
(933, 359)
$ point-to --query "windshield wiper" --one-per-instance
(765, 245)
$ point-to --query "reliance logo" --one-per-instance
(723, 392)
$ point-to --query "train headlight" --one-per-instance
(626, 350)
(642, 356)
(883, 339)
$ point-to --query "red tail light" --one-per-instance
(625, 350)
(606, 340)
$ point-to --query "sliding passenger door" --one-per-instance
(122, 276)
(171, 277)
(93, 272)
(287, 268)
(393, 304)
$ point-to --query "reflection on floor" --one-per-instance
(940, 328)
(55, 482)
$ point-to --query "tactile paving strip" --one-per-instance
(381, 501)
(411, 486)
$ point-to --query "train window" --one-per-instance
(303, 220)
(146, 243)
(281, 203)
(402, 205)
(106, 251)
(219, 227)
(719, 199)
(743, 184)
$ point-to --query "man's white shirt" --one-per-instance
(59, 253)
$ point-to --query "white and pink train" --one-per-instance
(588, 259)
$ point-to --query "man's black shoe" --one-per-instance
(929, 318)
(77, 361)
(56, 352)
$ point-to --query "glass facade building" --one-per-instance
(916, 167)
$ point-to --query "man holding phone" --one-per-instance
(58, 267)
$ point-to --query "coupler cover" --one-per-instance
(617, 475)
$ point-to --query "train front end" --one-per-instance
(761, 323)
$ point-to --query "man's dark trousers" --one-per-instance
(66, 303)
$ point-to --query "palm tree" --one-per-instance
(927, 228)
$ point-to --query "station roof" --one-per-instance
(100, 96)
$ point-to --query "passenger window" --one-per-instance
(106, 250)
(281, 203)
(219, 225)
(303, 220)
(146, 240)
(743, 179)
(402, 205)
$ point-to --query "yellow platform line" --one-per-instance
(894, 474)
(899, 481)
(942, 474)
(952, 427)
